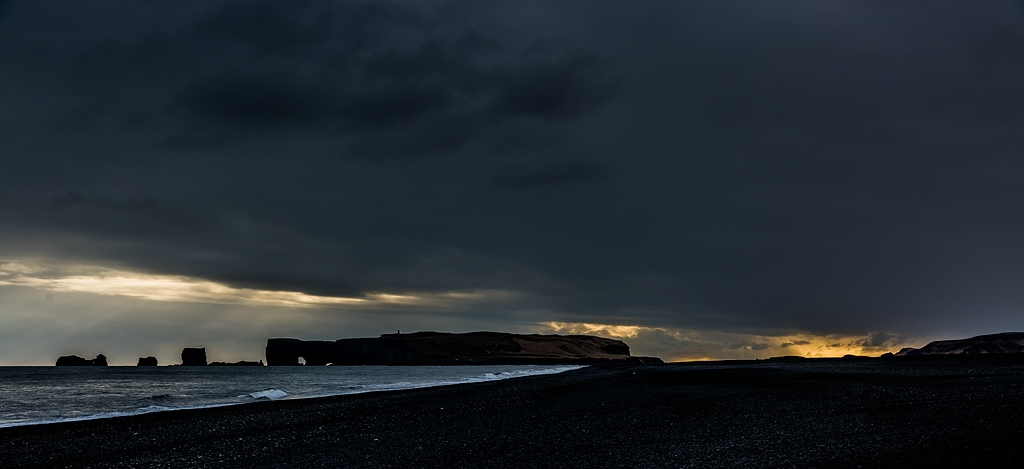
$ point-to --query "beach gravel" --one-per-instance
(801, 414)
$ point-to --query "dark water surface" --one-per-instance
(41, 394)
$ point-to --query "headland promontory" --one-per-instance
(441, 348)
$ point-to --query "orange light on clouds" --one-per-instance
(675, 344)
(598, 329)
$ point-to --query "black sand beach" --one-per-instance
(830, 413)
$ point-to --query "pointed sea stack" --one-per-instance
(193, 356)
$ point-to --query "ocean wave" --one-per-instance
(270, 394)
(168, 402)
(106, 415)
(164, 399)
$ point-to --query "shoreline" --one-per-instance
(383, 387)
(835, 413)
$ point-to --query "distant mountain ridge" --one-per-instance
(1006, 342)
(441, 348)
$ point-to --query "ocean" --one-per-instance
(46, 394)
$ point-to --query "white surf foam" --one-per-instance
(476, 379)
(272, 394)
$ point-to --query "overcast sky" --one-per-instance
(704, 179)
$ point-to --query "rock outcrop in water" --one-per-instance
(439, 348)
(193, 357)
(1006, 342)
(238, 363)
(75, 360)
(147, 361)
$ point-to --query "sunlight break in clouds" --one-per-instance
(177, 288)
(672, 344)
(598, 329)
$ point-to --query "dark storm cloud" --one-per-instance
(570, 87)
(270, 27)
(550, 174)
(810, 166)
(795, 342)
(881, 340)
(877, 339)
(72, 199)
(391, 80)
(436, 87)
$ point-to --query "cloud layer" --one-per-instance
(180, 289)
(826, 168)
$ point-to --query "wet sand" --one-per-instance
(831, 413)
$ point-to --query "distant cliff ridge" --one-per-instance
(1006, 342)
(440, 348)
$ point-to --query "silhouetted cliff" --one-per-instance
(1006, 342)
(439, 348)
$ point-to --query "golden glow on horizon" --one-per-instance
(709, 345)
(598, 329)
(177, 288)
(671, 344)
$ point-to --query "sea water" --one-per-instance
(46, 394)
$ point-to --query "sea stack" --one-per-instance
(147, 361)
(193, 356)
(75, 360)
